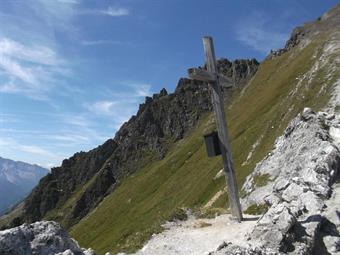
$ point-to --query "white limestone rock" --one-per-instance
(39, 238)
(302, 168)
(304, 157)
(332, 244)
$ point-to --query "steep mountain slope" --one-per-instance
(17, 179)
(305, 73)
(70, 191)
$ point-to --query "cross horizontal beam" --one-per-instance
(206, 76)
(201, 75)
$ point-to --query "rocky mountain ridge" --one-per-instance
(161, 120)
(303, 34)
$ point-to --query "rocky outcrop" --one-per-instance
(294, 183)
(162, 119)
(302, 35)
(165, 118)
(239, 70)
(39, 238)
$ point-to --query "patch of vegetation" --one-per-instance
(11, 219)
(203, 224)
(136, 239)
(243, 193)
(256, 209)
(337, 108)
(209, 213)
(261, 180)
(324, 125)
(178, 214)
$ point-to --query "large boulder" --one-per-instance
(39, 238)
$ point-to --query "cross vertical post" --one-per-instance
(221, 123)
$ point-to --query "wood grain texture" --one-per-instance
(206, 76)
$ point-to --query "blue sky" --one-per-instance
(72, 71)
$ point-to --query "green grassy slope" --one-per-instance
(185, 177)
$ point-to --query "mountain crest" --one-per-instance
(302, 35)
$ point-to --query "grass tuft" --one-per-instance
(256, 209)
(261, 180)
(178, 214)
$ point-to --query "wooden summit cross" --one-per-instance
(215, 80)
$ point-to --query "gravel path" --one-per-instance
(198, 236)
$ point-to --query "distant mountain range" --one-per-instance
(16, 180)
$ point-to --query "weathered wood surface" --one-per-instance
(204, 75)
(221, 123)
(201, 75)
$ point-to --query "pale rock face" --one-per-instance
(271, 228)
(40, 238)
(301, 200)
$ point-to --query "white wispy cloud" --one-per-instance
(56, 136)
(116, 11)
(37, 54)
(56, 13)
(8, 118)
(28, 152)
(107, 42)
(31, 65)
(33, 149)
(102, 107)
(257, 33)
(15, 70)
(67, 137)
(97, 42)
(69, 1)
(78, 121)
(29, 62)
(142, 90)
(82, 127)
(112, 11)
(63, 136)
(122, 104)
(94, 43)
(29, 69)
